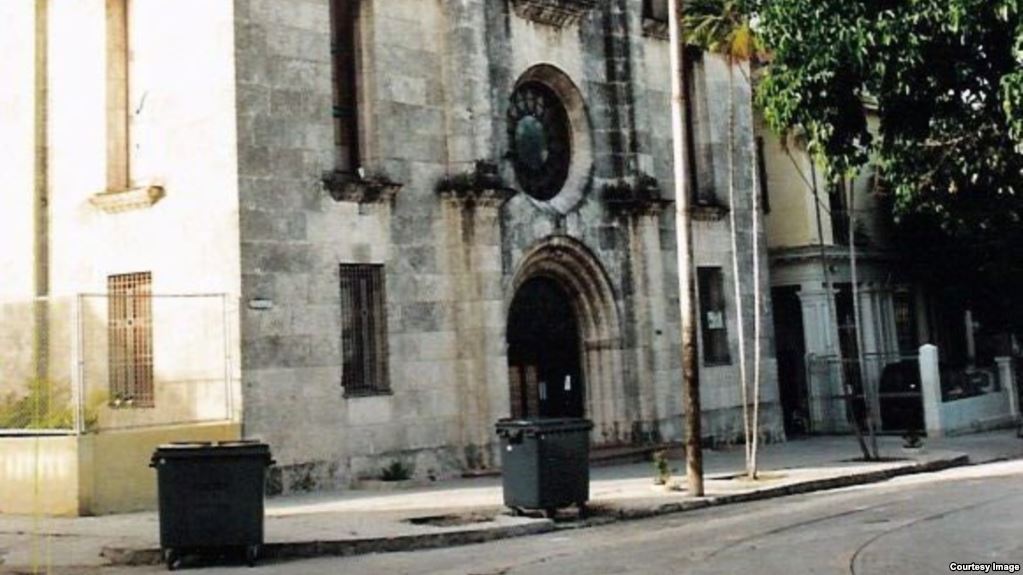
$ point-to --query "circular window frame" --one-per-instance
(580, 161)
(541, 172)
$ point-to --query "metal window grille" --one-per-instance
(363, 330)
(130, 325)
(713, 320)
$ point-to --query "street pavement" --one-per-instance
(353, 522)
(918, 524)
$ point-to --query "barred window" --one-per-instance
(130, 339)
(363, 330)
(713, 321)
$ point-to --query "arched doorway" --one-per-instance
(544, 352)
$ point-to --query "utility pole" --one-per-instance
(686, 269)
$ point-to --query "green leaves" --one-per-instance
(723, 27)
(947, 78)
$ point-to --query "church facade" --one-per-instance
(494, 208)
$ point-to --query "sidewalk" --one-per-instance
(469, 510)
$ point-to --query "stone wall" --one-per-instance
(436, 81)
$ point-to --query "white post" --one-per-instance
(1007, 378)
(930, 383)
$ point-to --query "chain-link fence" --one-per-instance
(36, 388)
(114, 361)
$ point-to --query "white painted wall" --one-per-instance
(182, 137)
(17, 143)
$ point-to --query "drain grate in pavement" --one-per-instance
(451, 520)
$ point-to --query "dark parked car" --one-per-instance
(902, 405)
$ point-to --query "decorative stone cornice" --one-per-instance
(834, 254)
(708, 212)
(115, 201)
(653, 28)
(482, 187)
(638, 195)
(344, 187)
(553, 12)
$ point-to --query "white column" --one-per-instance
(930, 382)
(971, 344)
(827, 413)
(872, 340)
(1007, 377)
(817, 329)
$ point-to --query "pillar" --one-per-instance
(1007, 377)
(930, 383)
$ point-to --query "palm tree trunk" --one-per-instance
(736, 276)
(686, 268)
(757, 296)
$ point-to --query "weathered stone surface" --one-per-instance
(435, 84)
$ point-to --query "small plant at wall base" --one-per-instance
(44, 406)
(396, 471)
(47, 406)
(662, 468)
(912, 440)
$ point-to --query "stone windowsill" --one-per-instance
(361, 393)
(115, 201)
(344, 187)
(553, 12)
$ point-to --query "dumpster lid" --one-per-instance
(545, 424)
(192, 449)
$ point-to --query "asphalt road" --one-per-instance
(919, 524)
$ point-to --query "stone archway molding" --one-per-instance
(574, 266)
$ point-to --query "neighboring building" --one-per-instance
(430, 216)
(808, 237)
(818, 347)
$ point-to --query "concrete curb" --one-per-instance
(349, 547)
(795, 488)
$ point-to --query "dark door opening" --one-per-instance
(791, 353)
(544, 365)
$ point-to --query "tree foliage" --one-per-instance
(947, 80)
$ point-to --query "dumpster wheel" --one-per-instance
(584, 511)
(251, 555)
(172, 558)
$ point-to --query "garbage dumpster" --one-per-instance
(210, 497)
(545, 463)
